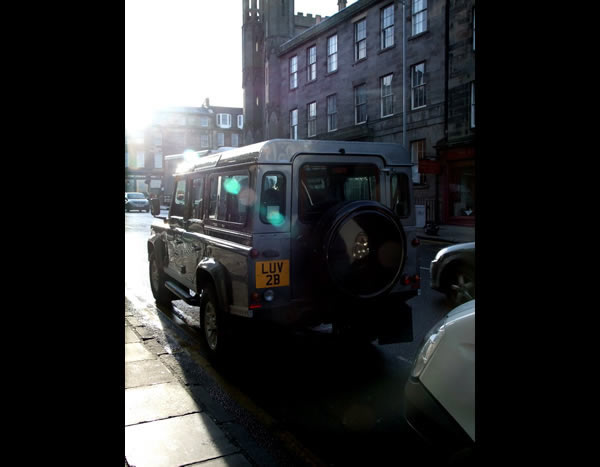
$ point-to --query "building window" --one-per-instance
(203, 141)
(331, 113)
(224, 120)
(294, 124)
(294, 72)
(235, 140)
(312, 119)
(311, 60)
(157, 139)
(387, 27)
(204, 121)
(473, 29)
(360, 104)
(418, 85)
(140, 159)
(419, 16)
(332, 64)
(417, 153)
(360, 40)
(387, 96)
(158, 160)
(240, 121)
(473, 105)
(220, 139)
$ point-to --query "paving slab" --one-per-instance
(130, 336)
(176, 441)
(234, 460)
(145, 373)
(135, 352)
(159, 401)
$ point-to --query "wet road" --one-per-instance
(344, 404)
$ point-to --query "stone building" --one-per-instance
(342, 77)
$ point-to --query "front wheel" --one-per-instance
(157, 283)
(461, 287)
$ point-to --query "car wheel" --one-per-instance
(361, 248)
(157, 283)
(461, 286)
(213, 323)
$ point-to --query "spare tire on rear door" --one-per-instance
(362, 248)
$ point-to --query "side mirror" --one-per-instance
(155, 206)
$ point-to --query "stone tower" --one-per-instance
(266, 25)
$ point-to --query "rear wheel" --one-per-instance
(213, 323)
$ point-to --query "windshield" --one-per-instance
(135, 196)
(325, 185)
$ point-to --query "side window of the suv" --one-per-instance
(229, 197)
(197, 198)
(400, 195)
(178, 203)
(272, 199)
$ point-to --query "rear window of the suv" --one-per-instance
(325, 185)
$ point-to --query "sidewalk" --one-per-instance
(449, 234)
(165, 423)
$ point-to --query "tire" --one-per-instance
(214, 324)
(460, 286)
(373, 264)
(161, 294)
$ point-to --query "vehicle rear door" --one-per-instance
(194, 245)
(175, 267)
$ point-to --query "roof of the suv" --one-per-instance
(283, 151)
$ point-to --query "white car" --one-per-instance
(440, 392)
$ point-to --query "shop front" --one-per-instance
(459, 185)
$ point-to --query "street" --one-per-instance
(345, 405)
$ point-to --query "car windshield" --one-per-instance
(135, 196)
(325, 185)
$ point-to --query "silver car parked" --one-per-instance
(452, 272)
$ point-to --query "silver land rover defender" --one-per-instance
(293, 232)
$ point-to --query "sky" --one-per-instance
(179, 52)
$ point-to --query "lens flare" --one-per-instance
(232, 186)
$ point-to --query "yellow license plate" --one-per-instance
(272, 273)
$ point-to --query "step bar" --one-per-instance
(183, 294)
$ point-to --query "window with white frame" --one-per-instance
(235, 140)
(204, 121)
(240, 121)
(360, 40)
(419, 16)
(158, 159)
(417, 153)
(473, 104)
(387, 27)
(312, 119)
(140, 159)
(294, 124)
(294, 72)
(332, 63)
(311, 60)
(387, 95)
(418, 97)
(220, 139)
(224, 120)
(332, 112)
(360, 104)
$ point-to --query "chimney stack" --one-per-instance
(341, 5)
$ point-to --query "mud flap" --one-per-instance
(395, 323)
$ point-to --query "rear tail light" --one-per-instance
(254, 301)
(416, 242)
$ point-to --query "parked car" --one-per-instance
(296, 233)
(440, 392)
(136, 202)
(452, 272)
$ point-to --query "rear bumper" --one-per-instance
(388, 318)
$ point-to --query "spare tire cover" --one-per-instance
(364, 248)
